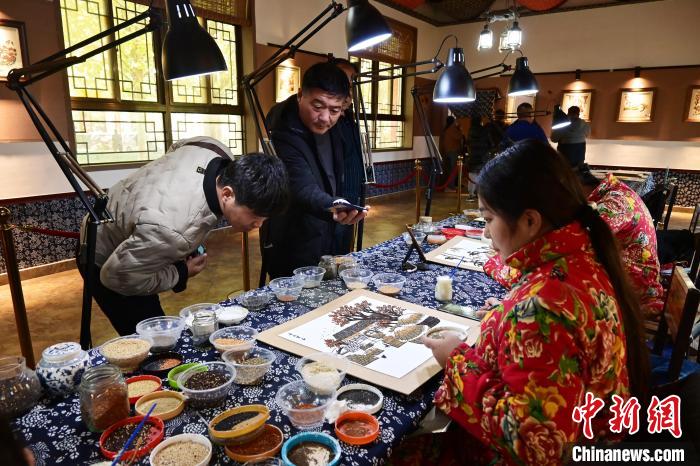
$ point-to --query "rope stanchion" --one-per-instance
(418, 169)
(13, 277)
(460, 174)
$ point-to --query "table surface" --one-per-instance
(56, 434)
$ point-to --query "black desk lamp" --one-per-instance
(365, 26)
(187, 50)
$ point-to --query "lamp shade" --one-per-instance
(559, 118)
(455, 84)
(365, 26)
(188, 50)
(522, 82)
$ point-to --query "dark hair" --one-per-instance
(584, 175)
(574, 108)
(532, 175)
(524, 109)
(337, 61)
(259, 182)
(327, 77)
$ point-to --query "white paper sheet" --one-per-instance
(369, 332)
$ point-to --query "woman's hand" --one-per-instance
(443, 347)
(489, 304)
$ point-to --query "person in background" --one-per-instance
(164, 211)
(572, 138)
(478, 148)
(496, 129)
(451, 146)
(629, 220)
(307, 139)
(569, 327)
(525, 127)
(352, 159)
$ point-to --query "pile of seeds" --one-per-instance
(206, 380)
(185, 453)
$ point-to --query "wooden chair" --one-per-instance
(694, 219)
(655, 201)
(695, 263)
(677, 321)
(670, 202)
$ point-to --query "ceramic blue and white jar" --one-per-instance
(61, 367)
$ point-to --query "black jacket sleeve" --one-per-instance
(304, 188)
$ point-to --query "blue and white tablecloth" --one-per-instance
(56, 434)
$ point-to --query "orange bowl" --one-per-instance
(357, 428)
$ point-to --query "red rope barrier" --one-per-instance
(450, 178)
(404, 180)
(47, 232)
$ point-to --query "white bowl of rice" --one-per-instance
(182, 450)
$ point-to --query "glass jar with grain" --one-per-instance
(104, 397)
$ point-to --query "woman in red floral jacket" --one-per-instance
(629, 220)
(569, 326)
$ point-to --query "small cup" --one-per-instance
(318, 380)
(312, 275)
(389, 284)
(304, 407)
(356, 278)
(287, 288)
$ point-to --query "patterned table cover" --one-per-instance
(56, 434)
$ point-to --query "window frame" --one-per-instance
(373, 115)
(165, 104)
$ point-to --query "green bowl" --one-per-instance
(176, 371)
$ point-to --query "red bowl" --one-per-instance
(157, 433)
(134, 399)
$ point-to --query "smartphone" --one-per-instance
(199, 251)
(463, 311)
(343, 207)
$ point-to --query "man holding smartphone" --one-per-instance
(305, 136)
(162, 214)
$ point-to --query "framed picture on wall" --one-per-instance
(580, 98)
(512, 103)
(287, 81)
(13, 47)
(636, 105)
(692, 114)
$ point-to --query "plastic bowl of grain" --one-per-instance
(182, 450)
(206, 385)
(287, 288)
(356, 278)
(163, 331)
(237, 338)
(389, 284)
(304, 407)
(322, 372)
(251, 366)
(126, 352)
(312, 275)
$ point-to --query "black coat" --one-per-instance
(305, 232)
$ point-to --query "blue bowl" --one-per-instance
(318, 437)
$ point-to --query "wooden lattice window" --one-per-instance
(124, 110)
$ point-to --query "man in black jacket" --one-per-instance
(304, 133)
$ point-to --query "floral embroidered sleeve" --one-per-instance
(502, 273)
(519, 410)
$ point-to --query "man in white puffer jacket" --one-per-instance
(164, 211)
